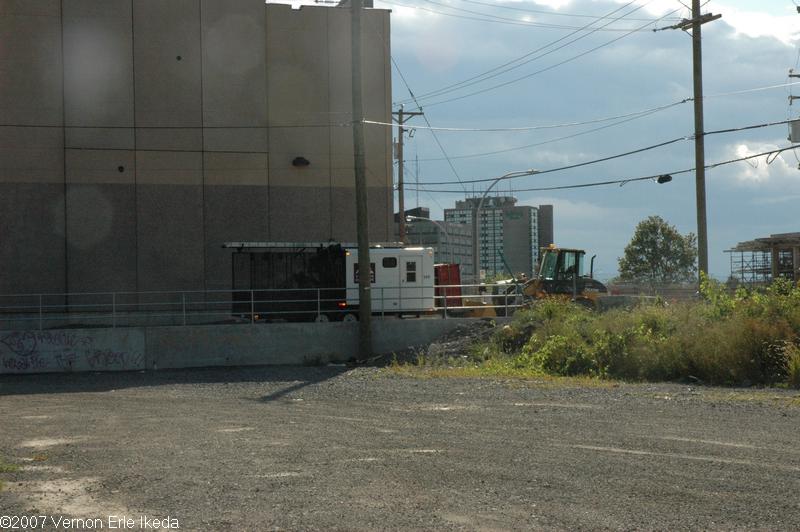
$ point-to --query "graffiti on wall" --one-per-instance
(22, 351)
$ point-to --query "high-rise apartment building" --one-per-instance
(506, 232)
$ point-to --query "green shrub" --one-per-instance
(557, 355)
(745, 337)
(792, 353)
(738, 338)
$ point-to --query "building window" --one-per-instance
(411, 272)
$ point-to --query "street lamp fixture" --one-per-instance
(410, 218)
(476, 265)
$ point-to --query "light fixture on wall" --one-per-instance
(299, 162)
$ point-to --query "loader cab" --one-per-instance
(562, 273)
(561, 264)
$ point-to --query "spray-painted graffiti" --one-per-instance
(30, 351)
(107, 359)
(19, 364)
(26, 343)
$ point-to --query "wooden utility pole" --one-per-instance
(699, 141)
(695, 23)
(362, 225)
(402, 118)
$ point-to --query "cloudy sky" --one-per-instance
(564, 74)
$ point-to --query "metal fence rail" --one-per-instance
(198, 307)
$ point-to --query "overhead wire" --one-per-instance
(592, 121)
(543, 12)
(418, 190)
(634, 179)
(620, 155)
(436, 138)
(493, 18)
(544, 142)
(538, 127)
(485, 17)
(454, 86)
(537, 72)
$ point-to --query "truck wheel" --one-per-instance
(322, 318)
(349, 318)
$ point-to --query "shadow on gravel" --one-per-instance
(310, 380)
(295, 377)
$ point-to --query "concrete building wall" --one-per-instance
(545, 225)
(521, 239)
(453, 247)
(32, 188)
(160, 130)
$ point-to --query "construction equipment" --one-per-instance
(561, 275)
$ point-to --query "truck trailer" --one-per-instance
(304, 281)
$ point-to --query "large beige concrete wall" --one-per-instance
(32, 192)
(138, 135)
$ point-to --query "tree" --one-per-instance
(658, 253)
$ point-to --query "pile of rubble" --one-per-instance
(456, 343)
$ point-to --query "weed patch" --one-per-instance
(746, 338)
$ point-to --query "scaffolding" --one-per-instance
(758, 262)
(752, 268)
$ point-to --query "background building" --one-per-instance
(506, 229)
(136, 136)
(451, 242)
(759, 261)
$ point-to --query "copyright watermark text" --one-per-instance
(111, 522)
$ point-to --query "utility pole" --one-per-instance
(362, 226)
(699, 140)
(402, 118)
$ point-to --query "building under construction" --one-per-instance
(759, 261)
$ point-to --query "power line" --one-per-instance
(745, 91)
(621, 182)
(543, 12)
(454, 86)
(621, 155)
(486, 17)
(540, 71)
(441, 148)
(542, 143)
(495, 18)
(577, 165)
(534, 128)
(416, 187)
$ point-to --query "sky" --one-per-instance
(576, 75)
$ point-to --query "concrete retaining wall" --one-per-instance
(72, 350)
(152, 348)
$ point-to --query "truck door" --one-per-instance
(411, 297)
(386, 290)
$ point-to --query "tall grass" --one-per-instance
(749, 337)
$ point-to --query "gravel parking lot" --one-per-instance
(343, 448)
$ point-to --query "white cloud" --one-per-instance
(759, 23)
(759, 171)
(554, 4)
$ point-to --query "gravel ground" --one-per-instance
(344, 448)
